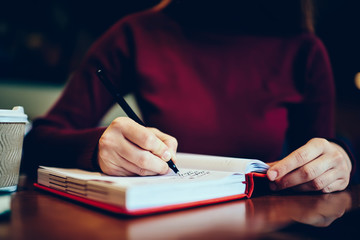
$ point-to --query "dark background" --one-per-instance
(43, 41)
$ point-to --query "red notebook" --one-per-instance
(204, 180)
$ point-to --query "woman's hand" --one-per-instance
(127, 148)
(319, 165)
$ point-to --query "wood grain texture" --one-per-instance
(40, 215)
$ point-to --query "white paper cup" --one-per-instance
(12, 131)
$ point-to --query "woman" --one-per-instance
(236, 79)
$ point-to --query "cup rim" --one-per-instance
(16, 115)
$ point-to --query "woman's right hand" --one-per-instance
(127, 148)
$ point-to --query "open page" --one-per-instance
(193, 167)
(218, 163)
(145, 192)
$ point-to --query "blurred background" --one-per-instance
(42, 42)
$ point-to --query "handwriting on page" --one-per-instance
(194, 174)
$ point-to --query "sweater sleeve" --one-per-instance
(68, 134)
(314, 116)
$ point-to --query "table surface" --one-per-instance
(39, 215)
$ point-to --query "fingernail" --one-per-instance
(272, 175)
(166, 156)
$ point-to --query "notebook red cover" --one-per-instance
(147, 211)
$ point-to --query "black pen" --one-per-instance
(127, 109)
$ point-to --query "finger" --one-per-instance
(145, 139)
(272, 163)
(338, 185)
(321, 182)
(112, 169)
(343, 155)
(117, 149)
(107, 163)
(145, 162)
(126, 168)
(306, 173)
(170, 141)
(107, 157)
(113, 164)
(296, 159)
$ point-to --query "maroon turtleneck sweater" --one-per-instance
(223, 94)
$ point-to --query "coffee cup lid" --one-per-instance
(15, 115)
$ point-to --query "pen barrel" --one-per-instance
(123, 104)
(172, 166)
(118, 97)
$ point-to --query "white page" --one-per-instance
(187, 161)
(189, 175)
(219, 163)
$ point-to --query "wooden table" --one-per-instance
(39, 215)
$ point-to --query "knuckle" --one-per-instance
(142, 160)
(319, 142)
(141, 171)
(309, 172)
(301, 156)
(121, 123)
(155, 130)
(148, 140)
(338, 157)
(173, 142)
(318, 183)
(104, 140)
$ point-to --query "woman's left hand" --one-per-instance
(319, 165)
